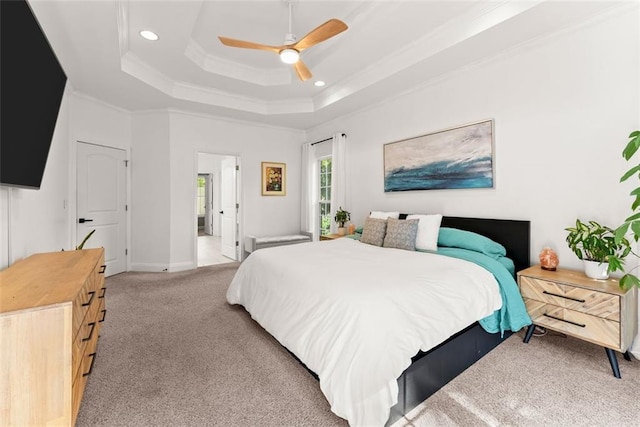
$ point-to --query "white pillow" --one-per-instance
(428, 229)
(384, 215)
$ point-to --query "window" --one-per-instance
(201, 194)
(325, 196)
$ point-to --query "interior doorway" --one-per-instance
(217, 209)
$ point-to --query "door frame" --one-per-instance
(72, 195)
(239, 198)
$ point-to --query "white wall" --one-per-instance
(150, 192)
(37, 220)
(260, 215)
(563, 108)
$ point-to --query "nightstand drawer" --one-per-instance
(590, 301)
(590, 328)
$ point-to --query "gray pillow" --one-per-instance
(401, 234)
(373, 231)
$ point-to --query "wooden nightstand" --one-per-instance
(567, 301)
(332, 236)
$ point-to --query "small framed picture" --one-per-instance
(274, 179)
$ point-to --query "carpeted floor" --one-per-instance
(172, 352)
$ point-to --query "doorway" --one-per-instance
(217, 209)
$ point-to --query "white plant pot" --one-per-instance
(596, 270)
(342, 231)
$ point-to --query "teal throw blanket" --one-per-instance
(513, 313)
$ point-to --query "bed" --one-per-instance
(383, 328)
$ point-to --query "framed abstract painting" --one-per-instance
(274, 179)
(458, 157)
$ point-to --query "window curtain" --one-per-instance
(308, 197)
(338, 177)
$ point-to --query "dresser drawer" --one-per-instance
(88, 331)
(595, 329)
(81, 377)
(87, 297)
(576, 298)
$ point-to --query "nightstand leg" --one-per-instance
(627, 356)
(614, 362)
(530, 330)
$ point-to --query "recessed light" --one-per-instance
(149, 35)
(319, 83)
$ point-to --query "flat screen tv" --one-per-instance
(31, 87)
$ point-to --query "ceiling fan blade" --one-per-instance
(249, 45)
(302, 71)
(321, 33)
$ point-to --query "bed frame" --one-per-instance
(430, 371)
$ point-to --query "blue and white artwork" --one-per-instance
(461, 157)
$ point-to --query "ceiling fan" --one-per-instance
(290, 51)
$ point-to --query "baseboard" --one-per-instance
(148, 267)
(182, 266)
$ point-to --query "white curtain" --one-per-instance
(308, 197)
(338, 177)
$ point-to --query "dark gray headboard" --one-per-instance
(514, 235)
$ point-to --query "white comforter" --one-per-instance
(355, 314)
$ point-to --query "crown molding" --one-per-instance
(82, 95)
(234, 70)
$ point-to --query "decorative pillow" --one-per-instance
(384, 215)
(455, 238)
(428, 228)
(373, 231)
(401, 234)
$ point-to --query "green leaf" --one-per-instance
(633, 217)
(621, 231)
(630, 173)
(81, 245)
(632, 145)
(628, 281)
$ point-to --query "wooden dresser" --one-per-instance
(567, 301)
(51, 308)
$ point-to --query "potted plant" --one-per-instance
(632, 222)
(596, 245)
(341, 218)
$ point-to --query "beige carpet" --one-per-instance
(172, 352)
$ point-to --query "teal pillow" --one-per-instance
(455, 238)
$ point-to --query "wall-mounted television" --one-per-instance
(31, 87)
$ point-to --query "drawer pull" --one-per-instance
(93, 359)
(93, 326)
(562, 296)
(104, 290)
(104, 314)
(582, 325)
(91, 294)
(103, 268)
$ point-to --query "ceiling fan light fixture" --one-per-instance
(289, 56)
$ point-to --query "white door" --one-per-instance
(208, 205)
(229, 208)
(101, 205)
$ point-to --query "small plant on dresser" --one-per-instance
(597, 247)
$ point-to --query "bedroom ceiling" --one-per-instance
(389, 48)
